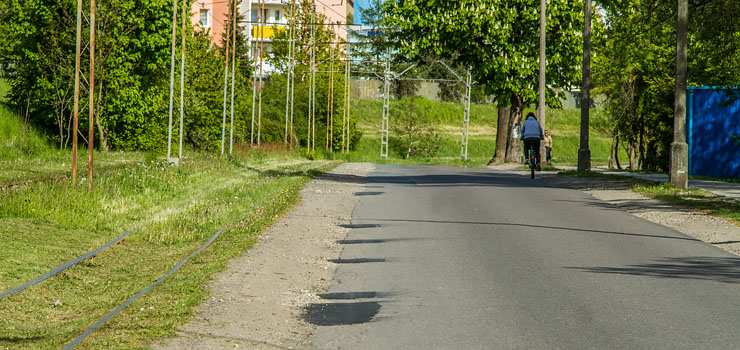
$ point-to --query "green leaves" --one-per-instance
(498, 39)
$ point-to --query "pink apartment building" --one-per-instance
(211, 14)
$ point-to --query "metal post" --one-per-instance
(261, 57)
(254, 74)
(584, 152)
(91, 134)
(233, 73)
(172, 77)
(344, 110)
(182, 82)
(466, 118)
(330, 100)
(349, 85)
(679, 147)
(313, 76)
(543, 58)
(384, 134)
(77, 92)
(288, 74)
(292, 78)
(226, 89)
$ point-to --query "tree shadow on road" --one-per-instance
(542, 227)
(718, 269)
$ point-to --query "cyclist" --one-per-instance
(531, 135)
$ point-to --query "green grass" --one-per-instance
(45, 224)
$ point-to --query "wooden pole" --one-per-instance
(91, 133)
(77, 93)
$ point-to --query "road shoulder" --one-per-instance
(257, 301)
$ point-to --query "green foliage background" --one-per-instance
(133, 45)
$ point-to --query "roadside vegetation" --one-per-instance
(445, 119)
(45, 224)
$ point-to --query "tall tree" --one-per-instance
(498, 41)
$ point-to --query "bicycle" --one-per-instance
(532, 160)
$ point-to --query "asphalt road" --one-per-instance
(450, 258)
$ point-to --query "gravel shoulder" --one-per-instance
(256, 302)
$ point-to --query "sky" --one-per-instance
(359, 5)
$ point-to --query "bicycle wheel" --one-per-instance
(531, 168)
(532, 165)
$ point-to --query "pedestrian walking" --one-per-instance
(548, 146)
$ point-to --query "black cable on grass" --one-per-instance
(65, 266)
(144, 291)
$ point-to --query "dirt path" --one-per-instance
(256, 302)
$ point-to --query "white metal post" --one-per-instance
(466, 119)
(386, 107)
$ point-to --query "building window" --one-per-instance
(265, 16)
(205, 18)
(277, 15)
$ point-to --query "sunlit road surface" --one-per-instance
(454, 258)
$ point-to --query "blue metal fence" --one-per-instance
(713, 125)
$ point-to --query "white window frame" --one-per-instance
(208, 18)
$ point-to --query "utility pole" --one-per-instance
(262, 47)
(466, 117)
(91, 134)
(313, 76)
(77, 93)
(541, 102)
(182, 82)
(349, 82)
(384, 132)
(292, 75)
(172, 77)
(330, 100)
(233, 73)
(254, 74)
(679, 148)
(584, 153)
(226, 88)
(288, 73)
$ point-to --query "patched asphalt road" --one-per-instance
(450, 258)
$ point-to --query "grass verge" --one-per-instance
(45, 224)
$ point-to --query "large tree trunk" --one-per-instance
(504, 113)
(514, 145)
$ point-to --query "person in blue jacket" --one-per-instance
(531, 135)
